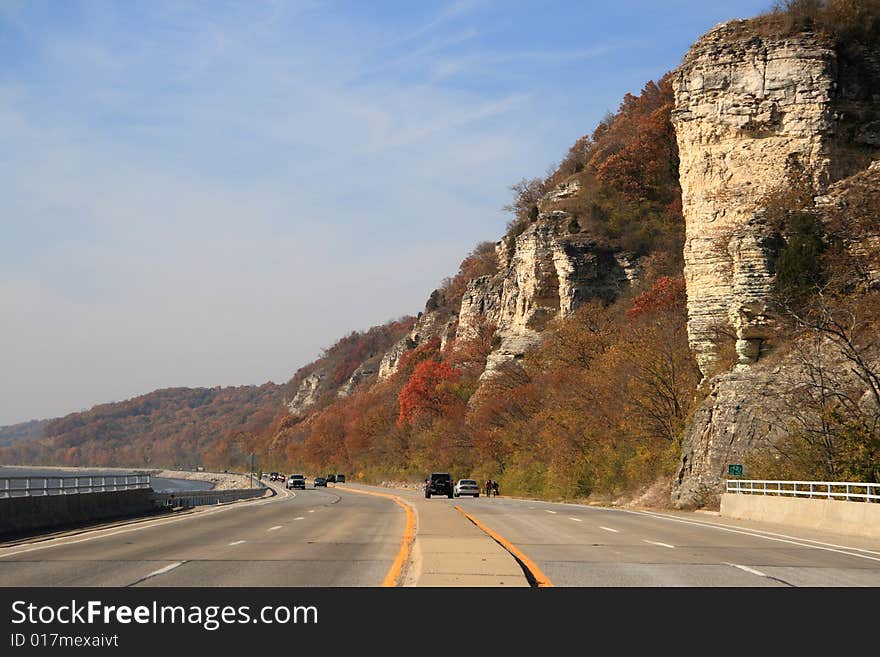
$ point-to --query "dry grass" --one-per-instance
(840, 21)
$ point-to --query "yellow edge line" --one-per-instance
(540, 578)
(406, 541)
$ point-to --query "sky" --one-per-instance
(209, 193)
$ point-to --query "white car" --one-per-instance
(466, 487)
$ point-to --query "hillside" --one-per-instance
(173, 427)
(23, 431)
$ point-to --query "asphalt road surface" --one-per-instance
(577, 545)
(339, 537)
(316, 537)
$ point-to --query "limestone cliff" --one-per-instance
(750, 112)
(307, 393)
(430, 323)
(549, 271)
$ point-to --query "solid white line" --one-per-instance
(770, 536)
(236, 543)
(575, 519)
(549, 511)
(747, 569)
(161, 571)
(272, 529)
(608, 529)
(666, 545)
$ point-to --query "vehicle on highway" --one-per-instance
(276, 476)
(439, 483)
(466, 487)
(331, 478)
(340, 478)
(296, 481)
(320, 481)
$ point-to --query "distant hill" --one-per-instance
(14, 433)
(168, 427)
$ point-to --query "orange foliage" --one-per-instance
(666, 294)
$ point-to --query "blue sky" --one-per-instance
(209, 193)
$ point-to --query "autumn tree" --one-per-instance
(427, 393)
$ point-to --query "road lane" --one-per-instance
(579, 545)
(348, 540)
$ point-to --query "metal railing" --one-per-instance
(67, 485)
(831, 490)
(189, 499)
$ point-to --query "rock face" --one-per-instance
(428, 325)
(481, 303)
(750, 110)
(724, 429)
(307, 393)
(364, 371)
(548, 274)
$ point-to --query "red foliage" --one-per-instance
(666, 294)
(425, 392)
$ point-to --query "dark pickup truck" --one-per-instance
(439, 483)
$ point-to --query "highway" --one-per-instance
(314, 537)
(342, 537)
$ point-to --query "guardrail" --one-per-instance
(189, 499)
(70, 485)
(842, 490)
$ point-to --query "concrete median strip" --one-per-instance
(533, 573)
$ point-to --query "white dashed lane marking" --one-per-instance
(666, 545)
(236, 543)
(575, 519)
(164, 570)
(272, 529)
(609, 529)
(748, 570)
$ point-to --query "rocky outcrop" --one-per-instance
(750, 111)
(481, 304)
(363, 372)
(429, 324)
(307, 394)
(548, 273)
(725, 428)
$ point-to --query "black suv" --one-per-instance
(439, 483)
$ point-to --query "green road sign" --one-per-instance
(735, 470)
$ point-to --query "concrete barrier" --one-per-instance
(840, 517)
(28, 514)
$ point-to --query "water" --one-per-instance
(159, 484)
